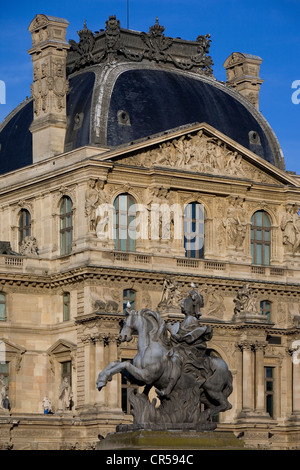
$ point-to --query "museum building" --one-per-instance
(130, 173)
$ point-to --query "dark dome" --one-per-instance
(109, 105)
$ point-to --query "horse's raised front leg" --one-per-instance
(142, 375)
(106, 374)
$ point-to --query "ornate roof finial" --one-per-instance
(157, 29)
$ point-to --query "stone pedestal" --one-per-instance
(171, 440)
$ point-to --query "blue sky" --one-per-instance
(268, 28)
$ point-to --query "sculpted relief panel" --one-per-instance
(201, 153)
(290, 226)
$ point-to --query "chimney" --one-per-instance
(242, 72)
(49, 87)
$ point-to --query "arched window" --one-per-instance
(24, 225)
(128, 296)
(194, 230)
(2, 306)
(124, 223)
(66, 226)
(265, 309)
(260, 238)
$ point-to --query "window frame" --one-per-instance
(191, 218)
(66, 304)
(118, 226)
(66, 225)
(256, 241)
(269, 391)
(24, 225)
(265, 307)
(3, 302)
(129, 297)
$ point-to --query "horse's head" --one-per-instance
(128, 325)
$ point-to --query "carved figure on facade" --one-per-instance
(235, 222)
(214, 302)
(174, 360)
(29, 246)
(290, 226)
(65, 396)
(171, 294)
(245, 301)
(3, 392)
(201, 153)
(95, 196)
(161, 219)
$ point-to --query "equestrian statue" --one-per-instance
(191, 385)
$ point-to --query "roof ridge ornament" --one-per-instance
(156, 29)
(115, 43)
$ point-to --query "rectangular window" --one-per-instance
(269, 390)
(194, 230)
(66, 306)
(2, 307)
(128, 296)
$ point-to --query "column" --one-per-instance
(113, 387)
(100, 342)
(87, 366)
(260, 377)
(296, 381)
(247, 387)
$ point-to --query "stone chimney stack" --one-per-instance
(49, 87)
(242, 72)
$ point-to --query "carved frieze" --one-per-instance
(200, 153)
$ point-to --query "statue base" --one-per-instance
(171, 440)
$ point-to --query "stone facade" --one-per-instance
(61, 310)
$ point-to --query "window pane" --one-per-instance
(194, 230)
(66, 307)
(266, 220)
(260, 238)
(269, 372)
(124, 223)
(258, 254)
(128, 296)
(66, 229)
(258, 235)
(2, 307)
(2, 312)
(258, 218)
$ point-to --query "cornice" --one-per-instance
(155, 277)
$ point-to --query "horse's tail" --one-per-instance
(219, 366)
(228, 387)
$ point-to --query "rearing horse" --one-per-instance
(156, 364)
(150, 365)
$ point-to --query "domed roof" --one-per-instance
(121, 94)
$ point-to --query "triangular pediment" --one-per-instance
(201, 149)
(8, 347)
(61, 346)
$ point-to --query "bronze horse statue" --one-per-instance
(162, 363)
